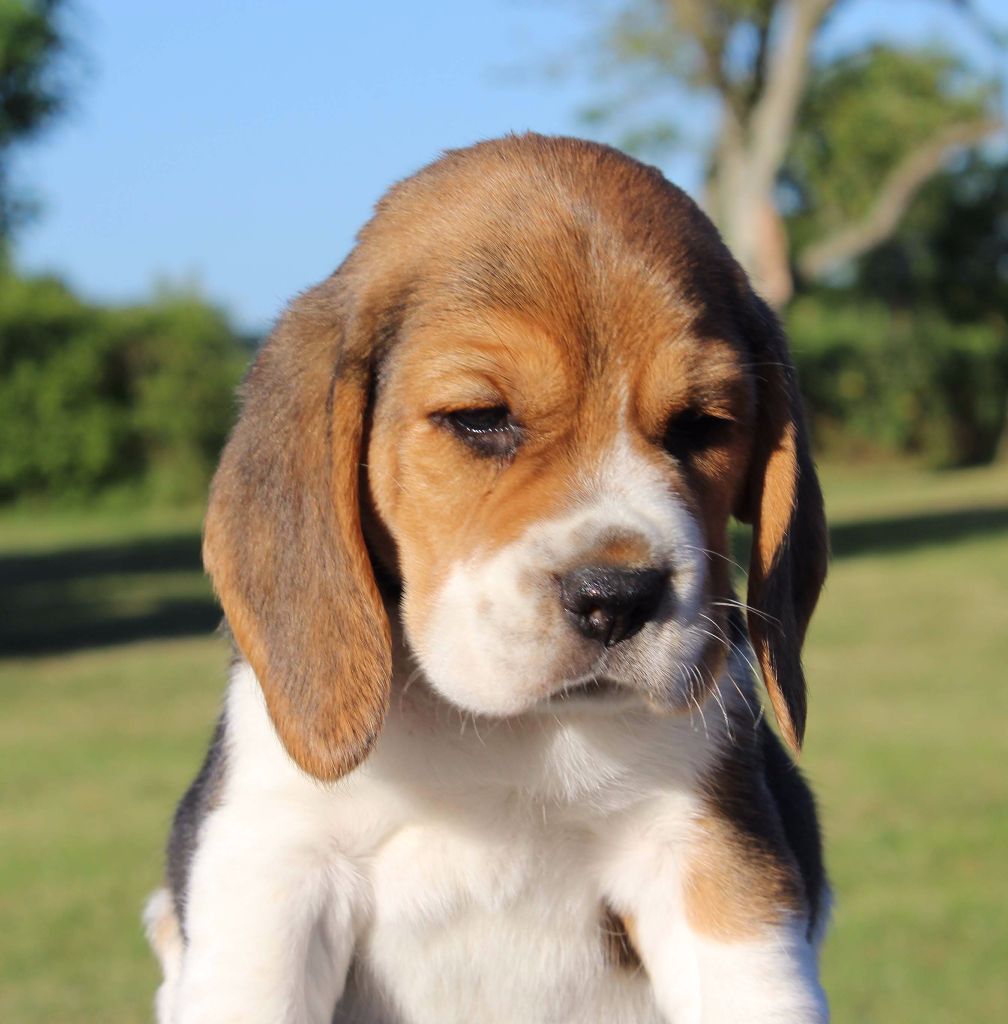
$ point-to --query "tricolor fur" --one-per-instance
(492, 747)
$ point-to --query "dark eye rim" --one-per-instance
(696, 430)
(490, 430)
(479, 419)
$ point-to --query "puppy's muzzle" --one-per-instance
(609, 604)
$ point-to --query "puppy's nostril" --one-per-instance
(609, 604)
(599, 621)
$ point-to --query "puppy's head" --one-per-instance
(551, 386)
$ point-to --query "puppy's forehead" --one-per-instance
(562, 261)
(555, 226)
(585, 298)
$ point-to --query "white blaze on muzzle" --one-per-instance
(501, 636)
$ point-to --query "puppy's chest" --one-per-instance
(469, 920)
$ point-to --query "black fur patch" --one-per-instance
(798, 817)
(200, 798)
(617, 946)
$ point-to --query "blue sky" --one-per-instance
(238, 144)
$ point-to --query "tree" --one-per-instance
(32, 91)
(813, 161)
(951, 254)
(951, 250)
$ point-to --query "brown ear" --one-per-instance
(790, 546)
(283, 542)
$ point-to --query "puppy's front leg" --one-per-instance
(716, 951)
(269, 921)
(766, 979)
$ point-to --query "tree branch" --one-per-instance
(773, 116)
(895, 195)
(698, 19)
(763, 20)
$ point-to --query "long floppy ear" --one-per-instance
(283, 543)
(790, 545)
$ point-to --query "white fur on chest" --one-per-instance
(495, 927)
(483, 854)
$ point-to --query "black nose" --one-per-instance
(610, 604)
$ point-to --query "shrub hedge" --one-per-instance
(878, 380)
(94, 397)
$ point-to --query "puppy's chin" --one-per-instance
(598, 695)
(508, 692)
(502, 704)
(592, 694)
(590, 690)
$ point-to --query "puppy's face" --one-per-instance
(557, 480)
(556, 386)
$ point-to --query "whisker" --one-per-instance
(410, 680)
(717, 554)
(701, 689)
(713, 636)
(683, 683)
(719, 630)
(730, 644)
(703, 717)
(719, 636)
(748, 608)
(741, 650)
(716, 694)
(745, 700)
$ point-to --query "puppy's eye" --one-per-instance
(490, 431)
(692, 431)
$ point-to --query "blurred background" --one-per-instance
(170, 174)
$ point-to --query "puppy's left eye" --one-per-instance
(490, 431)
(693, 431)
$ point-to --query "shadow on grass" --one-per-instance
(905, 533)
(893, 535)
(110, 594)
(106, 594)
(172, 553)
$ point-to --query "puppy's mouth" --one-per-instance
(594, 690)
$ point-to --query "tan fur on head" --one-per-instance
(521, 272)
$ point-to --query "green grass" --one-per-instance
(906, 747)
(96, 748)
(97, 742)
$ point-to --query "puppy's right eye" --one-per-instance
(693, 431)
(492, 431)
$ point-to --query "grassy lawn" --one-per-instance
(110, 676)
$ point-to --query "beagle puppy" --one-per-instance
(492, 747)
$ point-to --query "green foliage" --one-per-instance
(861, 116)
(93, 397)
(871, 124)
(912, 357)
(653, 53)
(32, 91)
(185, 362)
(885, 381)
(951, 250)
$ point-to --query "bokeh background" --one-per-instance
(171, 173)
